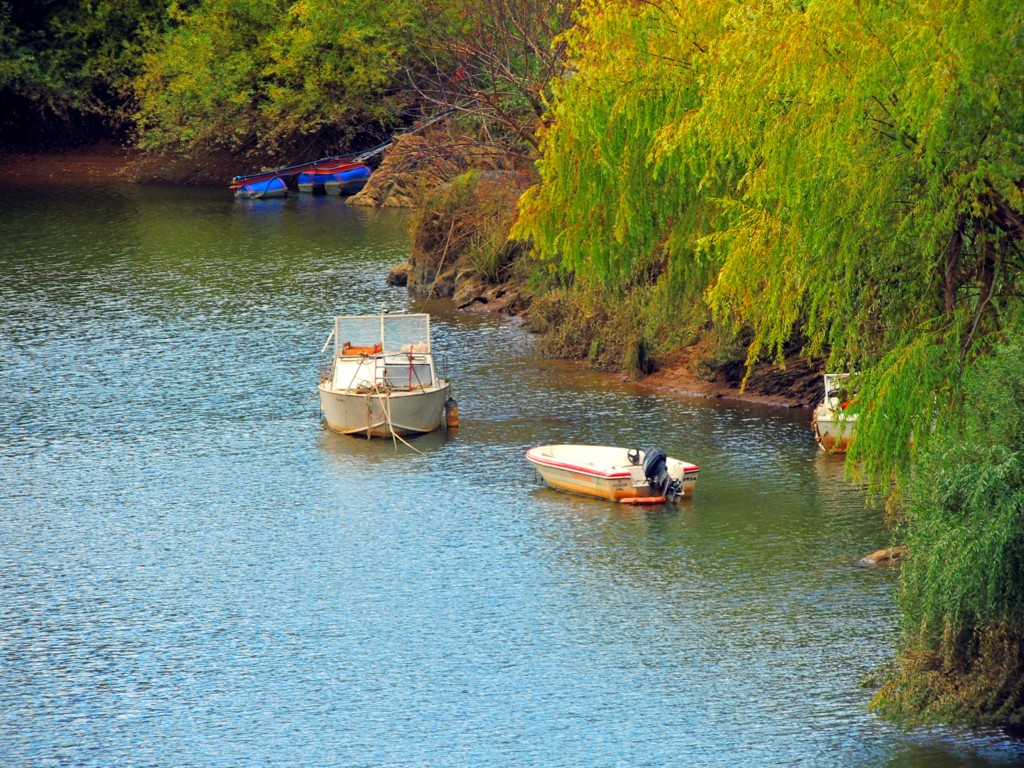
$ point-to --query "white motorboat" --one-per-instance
(630, 475)
(833, 427)
(382, 380)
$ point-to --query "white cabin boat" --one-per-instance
(631, 475)
(834, 429)
(382, 380)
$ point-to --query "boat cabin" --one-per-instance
(837, 394)
(382, 353)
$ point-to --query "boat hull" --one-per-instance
(833, 430)
(346, 181)
(604, 472)
(313, 183)
(384, 414)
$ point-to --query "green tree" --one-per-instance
(273, 75)
(65, 64)
(861, 166)
(879, 204)
(338, 65)
(611, 217)
(202, 86)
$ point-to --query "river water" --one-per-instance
(194, 573)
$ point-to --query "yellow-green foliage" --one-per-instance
(844, 173)
(333, 60)
(201, 85)
(602, 212)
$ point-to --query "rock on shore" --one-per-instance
(460, 246)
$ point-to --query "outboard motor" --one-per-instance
(655, 469)
(656, 472)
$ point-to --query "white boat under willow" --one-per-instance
(834, 428)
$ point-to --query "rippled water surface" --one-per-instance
(194, 573)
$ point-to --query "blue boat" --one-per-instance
(262, 189)
(341, 175)
(338, 175)
(343, 179)
(314, 183)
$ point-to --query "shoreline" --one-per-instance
(97, 164)
(792, 385)
(680, 381)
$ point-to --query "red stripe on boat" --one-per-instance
(574, 467)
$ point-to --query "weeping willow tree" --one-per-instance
(607, 219)
(842, 176)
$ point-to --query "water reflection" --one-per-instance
(349, 450)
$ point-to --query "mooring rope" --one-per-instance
(391, 426)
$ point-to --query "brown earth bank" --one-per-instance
(417, 164)
(794, 384)
(101, 163)
(684, 372)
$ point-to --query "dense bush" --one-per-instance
(963, 598)
(270, 75)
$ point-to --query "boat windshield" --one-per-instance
(395, 333)
(835, 381)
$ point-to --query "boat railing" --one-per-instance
(837, 385)
(381, 371)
